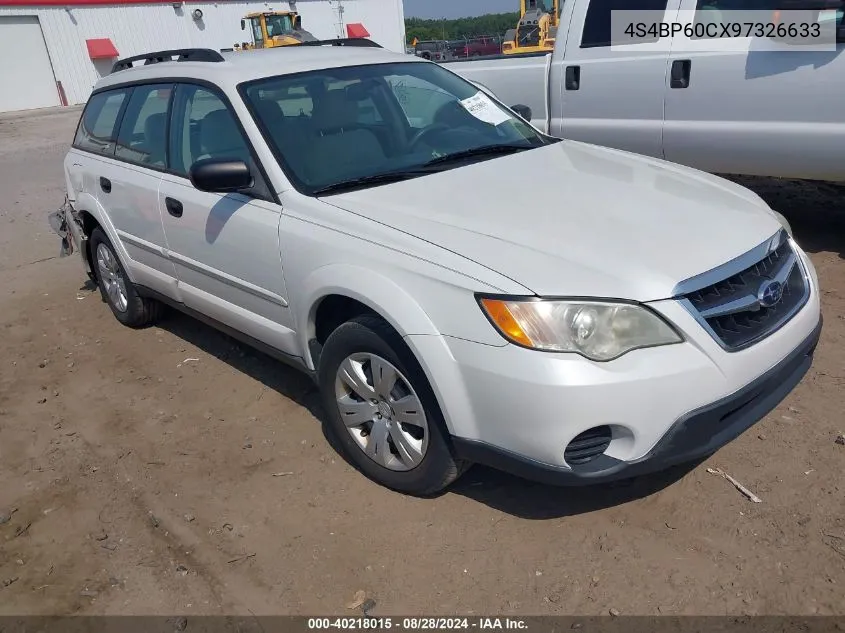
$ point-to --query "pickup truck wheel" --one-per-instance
(382, 410)
(126, 304)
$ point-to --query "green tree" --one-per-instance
(461, 28)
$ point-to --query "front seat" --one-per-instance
(220, 137)
(341, 147)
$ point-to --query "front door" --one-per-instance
(613, 95)
(225, 246)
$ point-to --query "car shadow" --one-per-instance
(507, 493)
(273, 374)
(815, 210)
(529, 500)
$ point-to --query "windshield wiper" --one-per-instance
(375, 179)
(485, 150)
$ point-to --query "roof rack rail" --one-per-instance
(181, 54)
(362, 42)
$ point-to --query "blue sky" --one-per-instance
(457, 8)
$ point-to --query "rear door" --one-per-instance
(125, 143)
(225, 246)
(753, 106)
(613, 96)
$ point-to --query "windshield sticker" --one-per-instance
(482, 107)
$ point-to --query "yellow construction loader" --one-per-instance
(270, 29)
(536, 30)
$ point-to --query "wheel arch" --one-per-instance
(337, 292)
(93, 216)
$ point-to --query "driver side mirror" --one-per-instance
(523, 111)
(243, 25)
(297, 23)
(220, 175)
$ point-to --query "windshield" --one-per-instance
(278, 24)
(338, 125)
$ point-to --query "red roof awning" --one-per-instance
(101, 49)
(356, 29)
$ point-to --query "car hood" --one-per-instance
(576, 219)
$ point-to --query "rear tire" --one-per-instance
(391, 427)
(128, 307)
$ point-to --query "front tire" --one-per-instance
(128, 307)
(382, 410)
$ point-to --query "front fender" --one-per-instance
(378, 292)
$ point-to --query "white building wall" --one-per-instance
(138, 29)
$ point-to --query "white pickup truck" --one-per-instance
(747, 109)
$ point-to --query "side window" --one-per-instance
(597, 23)
(257, 34)
(96, 131)
(202, 126)
(419, 99)
(143, 132)
(714, 11)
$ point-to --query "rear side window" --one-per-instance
(143, 132)
(96, 131)
(597, 23)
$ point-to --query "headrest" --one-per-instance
(155, 127)
(219, 133)
(333, 110)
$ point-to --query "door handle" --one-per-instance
(174, 207)
(680, 73)
(105, 185)
(573, 77)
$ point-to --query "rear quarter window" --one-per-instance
(97, 131)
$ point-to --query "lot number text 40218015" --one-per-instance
(416, 624)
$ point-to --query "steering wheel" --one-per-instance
(429, 129)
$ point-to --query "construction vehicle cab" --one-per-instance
(274, 28)
(536, 30)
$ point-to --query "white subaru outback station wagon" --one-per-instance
(463, 288)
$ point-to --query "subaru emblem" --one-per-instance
(770, 293)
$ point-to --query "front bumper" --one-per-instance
(693, 436)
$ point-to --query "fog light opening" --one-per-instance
(587, 446)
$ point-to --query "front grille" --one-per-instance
(743, 308)
(587, 445)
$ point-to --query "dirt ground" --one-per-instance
(172, 471)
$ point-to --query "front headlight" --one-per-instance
(599, 330)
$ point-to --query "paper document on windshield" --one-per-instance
(482, 107)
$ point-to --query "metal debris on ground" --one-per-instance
(840, 439)
(282, 474)
(20, 531)
(240, 558)
(359, 599)
(751, 496)
(10, 581)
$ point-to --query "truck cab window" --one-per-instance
(597, 23)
